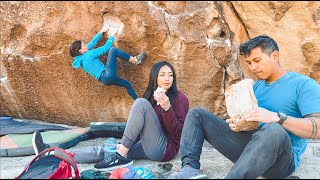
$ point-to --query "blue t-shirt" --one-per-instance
(294, 94)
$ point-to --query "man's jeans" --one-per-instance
(263, 152)
(109, 75)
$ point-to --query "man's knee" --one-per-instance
(196, 111)
(274, 131)
(195, 114)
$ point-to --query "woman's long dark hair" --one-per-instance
(74, 48)
(153, 85)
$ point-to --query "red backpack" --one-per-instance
(52, 163)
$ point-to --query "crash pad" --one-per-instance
(21, 144)
(11, 126)
(107, 129)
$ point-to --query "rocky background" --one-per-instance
(200, 39)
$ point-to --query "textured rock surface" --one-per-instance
(200, 39)
(295, 25)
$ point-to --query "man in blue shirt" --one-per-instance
(288, 113)
(88, 59)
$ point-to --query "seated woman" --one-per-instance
(155, 123)
(88, 59)
(154, 126)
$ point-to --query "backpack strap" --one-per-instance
(59, 153)
(64, 155)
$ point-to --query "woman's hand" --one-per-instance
(105, 28)
(163, 100)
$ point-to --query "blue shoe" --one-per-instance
(140, 57)
(187, 172)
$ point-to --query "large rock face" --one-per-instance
(294, 25)
(200, 39)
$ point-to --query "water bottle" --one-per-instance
(109, 147)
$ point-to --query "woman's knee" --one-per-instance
(108, 82)
(127, 85)
(113, 50)
(142, 102)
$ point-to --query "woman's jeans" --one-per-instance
(143, 122)
(263, 152)
(109, 75)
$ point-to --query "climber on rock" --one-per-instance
(88, 59)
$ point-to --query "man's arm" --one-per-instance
(307, 127)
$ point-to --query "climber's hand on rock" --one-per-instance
(105, 28)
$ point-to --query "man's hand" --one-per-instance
(232, 125)
(261, 115)
(105, 28)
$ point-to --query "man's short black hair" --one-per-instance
(267, 45)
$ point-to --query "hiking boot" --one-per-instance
(140, 57)
(112, 162)
(38, 144)
(187, 172)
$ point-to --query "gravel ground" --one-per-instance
(212, 162)
(13, 166)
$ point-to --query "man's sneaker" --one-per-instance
(187, 172)
(112, 162)
(38, 144)
(140, 57)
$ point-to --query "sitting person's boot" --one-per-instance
(112, 162)
(38, 144)
(140, 57)
(187, 172)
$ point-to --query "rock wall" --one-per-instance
(200, 39)
(294, 25)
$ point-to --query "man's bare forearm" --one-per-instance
(314, 118)
(307, 127)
